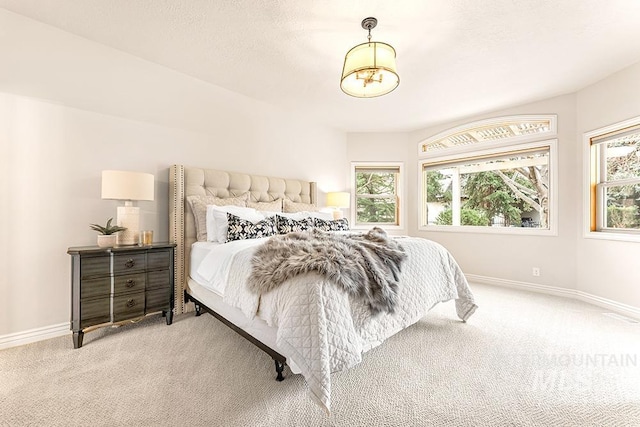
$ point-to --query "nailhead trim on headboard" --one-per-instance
(187, 181)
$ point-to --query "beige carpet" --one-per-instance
(523, 359)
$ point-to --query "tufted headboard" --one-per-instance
(187, 181)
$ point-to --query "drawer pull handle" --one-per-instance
(131, 303)
(129, 263)
(130, 283)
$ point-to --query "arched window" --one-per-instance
(495, 175)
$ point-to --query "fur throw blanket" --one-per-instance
(366, 266)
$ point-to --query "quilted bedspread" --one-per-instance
(322, 330)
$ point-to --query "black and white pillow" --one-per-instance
(242, 229)
(290, 225)
(334, 225)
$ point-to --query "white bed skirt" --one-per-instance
(255, 327)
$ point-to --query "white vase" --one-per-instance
(107, 240)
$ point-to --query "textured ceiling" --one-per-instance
(455, 57)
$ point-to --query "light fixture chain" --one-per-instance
(368, 24)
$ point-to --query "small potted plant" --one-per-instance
(107, 236)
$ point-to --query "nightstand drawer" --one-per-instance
(92, 288)
(95, 311)
(128, 263)
(128, 306)
(129, 283)
(159, 259)
(94, 266)
(159, 279)
(158, 299)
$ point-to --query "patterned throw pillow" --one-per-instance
(289, 225)
(217, 226)
(241, 229)
(334, 225)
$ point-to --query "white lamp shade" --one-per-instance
(370, 70)
(338, 199)
(124, 185)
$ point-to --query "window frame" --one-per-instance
(594, 185)
(552, 132)
(493, 148)
(400, 203)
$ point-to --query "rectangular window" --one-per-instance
(503, 189)
(377, 194)
(615, 181)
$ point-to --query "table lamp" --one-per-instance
(128, 186)
(338, 200)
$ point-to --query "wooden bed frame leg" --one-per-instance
(198, 310)
(279, 369)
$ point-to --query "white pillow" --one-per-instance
(217, 224)
(327, 216)
(297, 215)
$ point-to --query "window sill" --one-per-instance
(383, 226)
(620, 237)
(514, 231)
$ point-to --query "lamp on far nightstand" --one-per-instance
(128, 186)
(338, 200)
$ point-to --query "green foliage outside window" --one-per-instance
(376, 200)
(488, 193)
(467, 217)
(436, 191)
(503, 195)
(623, 201)
(622, 217)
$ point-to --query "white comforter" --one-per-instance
(319, 327)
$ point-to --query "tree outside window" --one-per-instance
(495, 175)
(617, 178)
(508, 190)
(376, 195)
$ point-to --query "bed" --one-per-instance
(311, 321)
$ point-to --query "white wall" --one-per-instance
(70, 108)
(608, 268)
(508, 256)
(500, 256)
(600, 271)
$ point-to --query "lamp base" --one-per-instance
(337, 213)
(129, 217)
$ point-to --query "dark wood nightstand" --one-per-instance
(111, 285)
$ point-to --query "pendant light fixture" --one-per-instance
(369, 68)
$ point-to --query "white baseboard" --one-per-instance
(53, 331)
(33, 335)
(608, 304)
